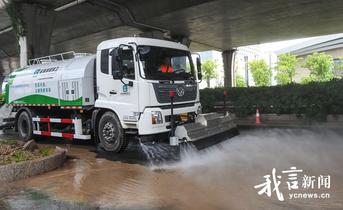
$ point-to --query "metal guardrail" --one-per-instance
(56, 57)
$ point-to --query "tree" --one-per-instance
(240, 81)
(209, 71)
(285, 68)
(2, 98)
(261, 73)
(307, 80)
(320, 66)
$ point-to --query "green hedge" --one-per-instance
(314, 100)
(2, 98)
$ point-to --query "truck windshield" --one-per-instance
(160, 63)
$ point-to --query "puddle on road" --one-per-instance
(221, 177)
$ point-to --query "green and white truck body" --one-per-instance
(121, 91)
(58, 83)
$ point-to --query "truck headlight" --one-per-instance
(156, 117)
(199, 111)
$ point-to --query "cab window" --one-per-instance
(104, 61)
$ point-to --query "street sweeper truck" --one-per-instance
(131, 87)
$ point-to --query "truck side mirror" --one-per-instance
(120, 54)
(117, 71)
(118, 75)
(199, 68)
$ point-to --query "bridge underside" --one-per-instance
(209, 24)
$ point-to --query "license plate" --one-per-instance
(184, 117)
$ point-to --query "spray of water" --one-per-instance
(189, 157)
(258, 151)
(147, 151)
(234, 167)
(158, 154)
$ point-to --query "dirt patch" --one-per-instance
(13, 152)
(21, 163)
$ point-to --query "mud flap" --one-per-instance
(208, 130)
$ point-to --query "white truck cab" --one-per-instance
(134, 86)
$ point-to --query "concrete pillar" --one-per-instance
(228, 59)
(38, 21)
(1, 81)
(23, 51)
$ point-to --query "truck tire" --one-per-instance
(111, 134)
(25, 127)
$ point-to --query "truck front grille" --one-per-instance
(183, 92)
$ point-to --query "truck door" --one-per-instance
(116, 94)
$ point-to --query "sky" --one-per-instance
(275, 46)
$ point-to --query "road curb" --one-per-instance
(13, 172)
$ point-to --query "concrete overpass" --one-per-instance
(63, 25)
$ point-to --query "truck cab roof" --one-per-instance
(141, 41)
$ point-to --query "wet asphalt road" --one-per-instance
(221, 177)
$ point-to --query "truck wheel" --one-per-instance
(111, 134)
(25, 127)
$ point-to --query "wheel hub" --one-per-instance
(109, 132)
(24, 127)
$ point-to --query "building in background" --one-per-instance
(217, 57)
(242, 57)
(331, 45)
(246, 54)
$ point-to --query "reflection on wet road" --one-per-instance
(218, 178)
